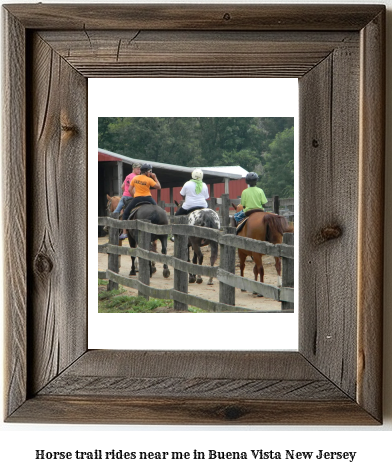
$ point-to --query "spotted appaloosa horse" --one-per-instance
(267, 227)
(203, 218)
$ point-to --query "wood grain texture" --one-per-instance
(125, 53)
(194, 387)
(329, 197)
(57, 241)
(336, 376)
(105, 410)
(371, 218)
(14, 211)
(195, 17)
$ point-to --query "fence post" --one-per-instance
(144, 242)
(212, 203)
(113, 263)
(180, 252)
(227, 263)
(171, 202)
(224, 210)
(275, 204)
(288, 270)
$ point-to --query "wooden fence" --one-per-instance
(228, 281)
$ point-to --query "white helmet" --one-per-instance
(197, 174)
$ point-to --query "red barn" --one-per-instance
(112, 169)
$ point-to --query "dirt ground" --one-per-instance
(210, 292)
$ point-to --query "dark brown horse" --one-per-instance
(155, 215)
(112, 203)
(267, 227)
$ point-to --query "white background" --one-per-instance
(19, 442)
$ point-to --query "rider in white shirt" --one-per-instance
(195, 193)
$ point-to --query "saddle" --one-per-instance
(136, 208)
(241, 224)
(251, 211)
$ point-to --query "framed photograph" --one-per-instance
(207, 139)
(337, 52)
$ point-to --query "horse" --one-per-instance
(112, 203)
(157, 216)
(264, 226)
(204, 218)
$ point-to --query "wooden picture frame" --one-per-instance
(338, 54)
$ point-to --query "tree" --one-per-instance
(192, 141)
(278, 171)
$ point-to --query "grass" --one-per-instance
(117, 301)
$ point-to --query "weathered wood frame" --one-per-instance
(337, 52)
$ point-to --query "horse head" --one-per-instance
(237, 208)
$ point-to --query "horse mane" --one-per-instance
(276, 224)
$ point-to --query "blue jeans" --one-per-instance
(123, 201)
(238, 216)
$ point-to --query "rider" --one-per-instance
(126, 194)
(140, 188)
(252, 197)
(125, 186)
(195, 193)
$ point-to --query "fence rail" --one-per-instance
(228, 281)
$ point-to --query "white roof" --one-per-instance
(227, 169)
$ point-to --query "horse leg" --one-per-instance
(192, 276)
(198, 258)
(152, 264)
(214, 256)
(258, 269)
(132, 244)
(278, 266)
(242, 258)
(166, 271)
(133, 269)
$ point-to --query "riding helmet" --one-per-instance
(197, 174)
(251, 177)
(145, 167)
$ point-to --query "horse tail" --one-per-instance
(211, 220)
(275, 225)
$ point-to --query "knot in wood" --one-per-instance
(328, 233)
(68, 128)
(227, 16)
(43, 264)
(315, 143)
(232, 413)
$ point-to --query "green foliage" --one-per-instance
(116, 301)
(278, 171)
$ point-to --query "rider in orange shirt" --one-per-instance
(140, 188)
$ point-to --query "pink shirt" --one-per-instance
(127, 182)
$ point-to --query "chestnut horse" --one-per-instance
(267, 227)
